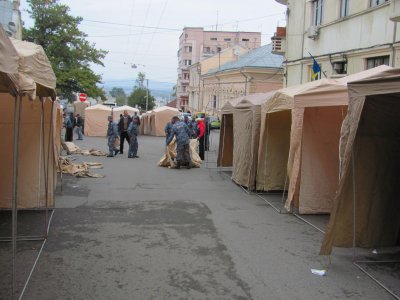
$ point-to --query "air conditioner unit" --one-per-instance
(312, 32)
(395, 8)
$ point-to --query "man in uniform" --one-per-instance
(79, 126)
(182, 134)
(133, 131)
(123, 125)
(112, 133)
(168, 130)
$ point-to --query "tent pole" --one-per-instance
(354, 203)
(39, 192)
(48, 163)
(17, 123)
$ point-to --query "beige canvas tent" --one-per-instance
(225, 149)
(159, 117)
(367, 196)
(28, 123)
(317, 110)
(96, 120)
(120, 110)
(146, 123)
(79, 107)
(246, 135)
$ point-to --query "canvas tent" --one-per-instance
(79, 108)
(317, 111)
(159, 117)
(120, 110)
(225, 150)
(35, 132)
(367, 197)
(96, 122)
(246, 135)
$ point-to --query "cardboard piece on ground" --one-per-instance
(168, 159)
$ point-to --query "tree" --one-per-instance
(139, 94)
(119, 95)
(69, 52)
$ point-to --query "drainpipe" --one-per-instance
(246, 78)
(393, 48)
(219, 89)
(198, 99)
(302, 41)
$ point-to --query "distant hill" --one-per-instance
(157, 88)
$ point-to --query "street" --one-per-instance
(146, 232)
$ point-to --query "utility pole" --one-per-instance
(147, 95)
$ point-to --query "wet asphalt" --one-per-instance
(146, 232)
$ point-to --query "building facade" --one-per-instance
(196, 44)
(257, 71)
(202, 67)
(10, 18)
(344, 37)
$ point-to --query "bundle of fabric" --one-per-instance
(71, 148)
(169, 158)
(79, 170)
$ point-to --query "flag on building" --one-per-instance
(315, 69)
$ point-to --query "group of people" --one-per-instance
(183, 131)
(71, 122)
(126, 129)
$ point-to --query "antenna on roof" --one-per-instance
(216, 25)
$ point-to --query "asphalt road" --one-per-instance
(146, 232)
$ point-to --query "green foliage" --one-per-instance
(140, 80)
(138, 97)
(66, 46)
(119, 95)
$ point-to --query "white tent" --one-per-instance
(120, 110)
(96, 122)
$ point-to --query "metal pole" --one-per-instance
(147, 95)
(17, 123)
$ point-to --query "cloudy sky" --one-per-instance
(146, 32)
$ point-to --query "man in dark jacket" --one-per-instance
(123, 125)
(182, 134)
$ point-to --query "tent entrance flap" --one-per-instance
(377, 172)
(319, 158)
(274, 151)
(225, 150)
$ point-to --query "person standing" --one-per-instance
(112, 133)
(69, 126)
(195, 128)
(182, 134)
(168, 130)
(133, 131)
(123, 125)
(190, 126)
(201, 137)
(79, 125)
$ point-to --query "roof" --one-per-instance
(256, 58)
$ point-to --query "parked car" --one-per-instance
(215, 123)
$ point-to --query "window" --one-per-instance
(186, 76)
(207, 50)
(213, 39)
(214, 101)
(318, 11)
(245, 40)
(227, 39)
(344, 8)
(188, 49)
(373, 62)
(377, 2)
(219, 49)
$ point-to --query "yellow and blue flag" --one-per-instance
(316, 68)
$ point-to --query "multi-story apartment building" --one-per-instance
(196, 44)
(344, 36)
(10, 18)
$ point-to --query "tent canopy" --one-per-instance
(96, 120)
(159, 117)
(370, 148)
(36, 76)
(79, 107)
(8, 65)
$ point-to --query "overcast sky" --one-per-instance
(154, 50)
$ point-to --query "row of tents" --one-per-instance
(152, 123)
(334, 144)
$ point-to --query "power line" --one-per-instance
(130, 25)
